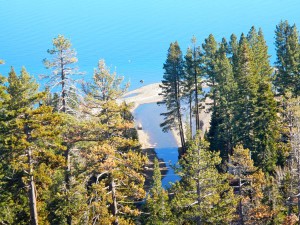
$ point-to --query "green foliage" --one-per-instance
(171, 91)
(63, 74)
(107, 86)
(251, 183)
(192, 83)
(30, 146)
(220, 134)
(203, 195)
(287, 63)
(157, 202)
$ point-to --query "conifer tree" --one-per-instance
(220, 134)
(245, 96)
(157, 204)
(192, 81)
(171, 92)
(107, 86)
(62, 81)
(63, 72)
(30, 138)
(203, 195)
(188, 91)
(112, 163)
(287, 63)
(233, 50)
(265, 116)
(209, 52)
(250, 185)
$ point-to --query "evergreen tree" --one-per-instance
(245, 96)
(192, 82)
(63, 72)
(157, 204)
(287, 63)
(30, 146)
(107, 86)
(113, 164)
(171, 92)
(209, 52)
(233, 51)
(265, 116)
(250, 185)
(220, 134)
(203, 195)
(62, 80)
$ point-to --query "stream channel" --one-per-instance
(164, 144)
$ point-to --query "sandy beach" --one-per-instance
(150, 94)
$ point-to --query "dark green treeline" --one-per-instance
(253, 106)
(69, 154)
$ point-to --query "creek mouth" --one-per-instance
(163, 145)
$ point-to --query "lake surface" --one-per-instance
(165, 145)
(133, 36)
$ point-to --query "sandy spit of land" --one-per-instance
(143, 95)
(150, 94)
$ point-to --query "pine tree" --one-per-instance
(63, 72)
(287, 63)
(171, 92)
(192, 82)
(250, 183)
(188, 92)
(113, 164)
(209, 52)
(157, 204)
(233, 51)
(220, 134)
(203, 195)
(107, 86)
(245, 96)
(62, 80)
(265, 116)
(30, 137)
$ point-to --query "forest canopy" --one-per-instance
(70, 152)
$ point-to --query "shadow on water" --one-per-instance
(170, 156)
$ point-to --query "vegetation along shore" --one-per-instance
(72, 153)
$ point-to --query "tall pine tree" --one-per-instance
(171, 92)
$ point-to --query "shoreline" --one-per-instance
(146, 95)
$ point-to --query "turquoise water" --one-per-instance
(132, 36)
(165, 145)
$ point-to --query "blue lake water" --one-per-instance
(132, 36)
(165, 145)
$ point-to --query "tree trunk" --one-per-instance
(31, 183)
(196, 94)
(241, 218)
(67, 153)
(297, 154)
(63, 91)
(114, 198)
(32, 193)
(67, 179)
(199, 188)
(181, 133)
(191, 115)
